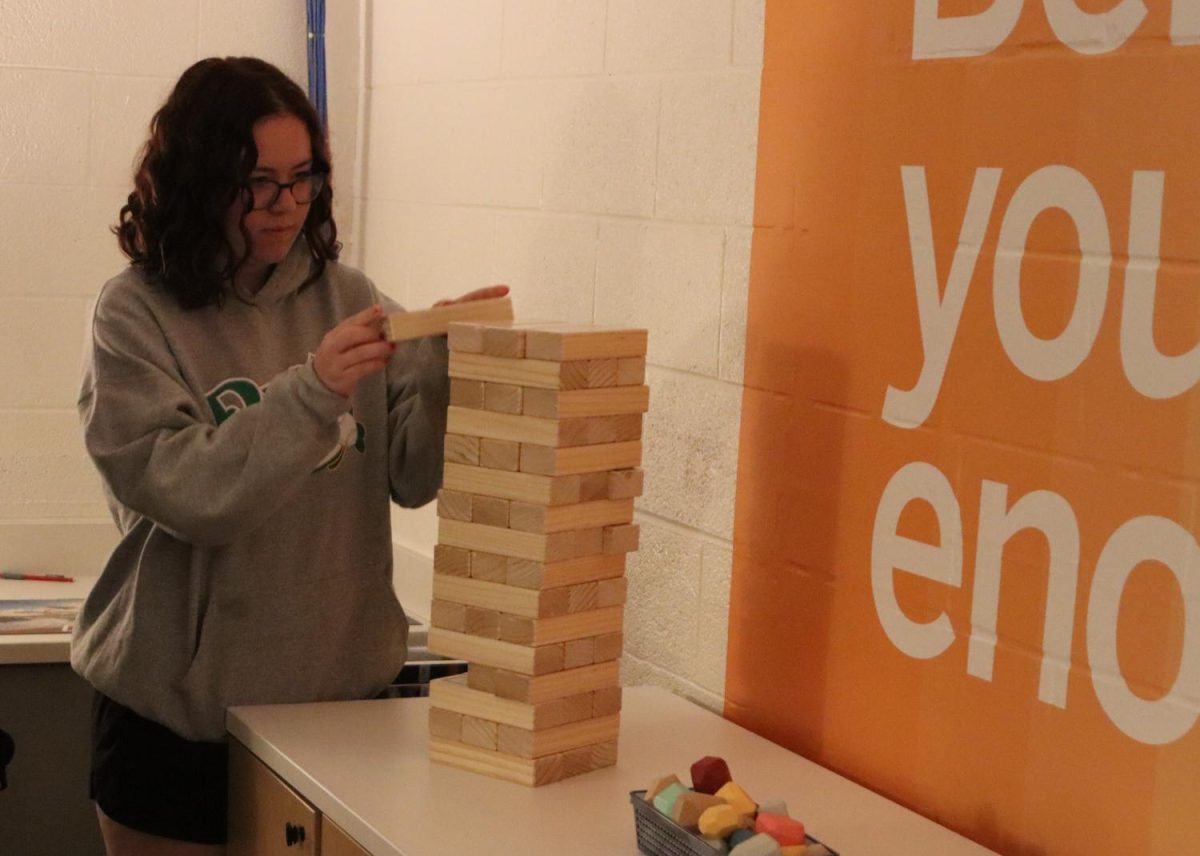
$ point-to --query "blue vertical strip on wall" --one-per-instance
(316, 57)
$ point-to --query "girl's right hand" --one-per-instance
(352, 350)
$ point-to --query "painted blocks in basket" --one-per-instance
(542, 467)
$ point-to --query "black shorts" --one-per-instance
(146, 777)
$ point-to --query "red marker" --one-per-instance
(40, 578)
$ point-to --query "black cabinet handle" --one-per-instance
(293, 834)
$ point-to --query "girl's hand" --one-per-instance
(352, 350)
(486, 293)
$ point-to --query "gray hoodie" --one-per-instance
(255, 563)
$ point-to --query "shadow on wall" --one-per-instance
(781, 637)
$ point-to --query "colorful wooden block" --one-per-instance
(736, 796)
(689, 806)
(666, 799)
(783, 829)
(710, 774)
(720, 821)
(661, 785)
(756, 845)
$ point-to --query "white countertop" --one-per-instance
(365, 765)
(39, 647)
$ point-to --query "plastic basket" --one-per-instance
(658, 835)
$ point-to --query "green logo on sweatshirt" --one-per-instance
(238, 393)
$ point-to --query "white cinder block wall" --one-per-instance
(598, 156)
(79, 82)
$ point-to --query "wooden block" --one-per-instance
(502, 426)
(488, 595)
(482, 678)
(625, 484)
(736, 796)
(562, 628)
(549, 547)
(606, 701)
(445, 723)
(549, 461)
(503, 342)
(527, 743)
(631, 371)
(489, 567)
(436, 321)
(584, 596)
(609, 429)
(489, 511)
(688, 808)
(593, 486)
(481, 622)
(464, 337)
(526, 487)
(609, 646)
(661, 785)
(584, 403)
(542, 374)
(527, 573)
(621, 539)
(493, 652)
(502, 398)
(455, 694)
(552, 602)
(453, 505)
(532, 772)
(536, 689)
(501, 455)
(611, 592)
(574, 342)
(480, 732)
(461, 450)
(589, 374)
(531, 517)
(451, 561)
(710, 774)
(466, 393)
(578, 653)
(451, 616)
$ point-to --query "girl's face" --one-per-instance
(284, 155)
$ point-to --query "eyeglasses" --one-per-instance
(265, 192)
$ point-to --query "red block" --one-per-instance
(783, 829)
(709, 774)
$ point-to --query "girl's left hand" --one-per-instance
(488, 293)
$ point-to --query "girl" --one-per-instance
(249, 423)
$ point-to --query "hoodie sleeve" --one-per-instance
(160, 453)
(418, 393)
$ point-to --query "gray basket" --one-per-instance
(658, 835)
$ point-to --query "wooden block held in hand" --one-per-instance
(436, 320)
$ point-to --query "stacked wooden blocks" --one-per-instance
(543, 448)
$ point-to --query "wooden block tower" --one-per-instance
(543, 447)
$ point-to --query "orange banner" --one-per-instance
(966, 571)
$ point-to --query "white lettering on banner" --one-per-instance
(1142, 539)
(1185, 22)
(1050, 514)
(1094, 33)
(1064, 188)
(890, 551)
(1151, 372)
(939, 317)
(935, 37)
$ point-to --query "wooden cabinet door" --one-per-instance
(335, 841)
(266, 817)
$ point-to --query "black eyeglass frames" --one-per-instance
(265, 192)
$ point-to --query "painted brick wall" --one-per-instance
(79, 82)
(598, 156)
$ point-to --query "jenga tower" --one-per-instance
(543, 445)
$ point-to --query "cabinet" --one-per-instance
(268, 818)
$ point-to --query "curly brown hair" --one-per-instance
(197, 160)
